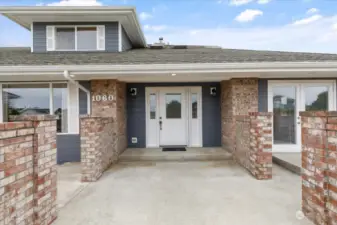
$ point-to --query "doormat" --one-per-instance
(174, 149)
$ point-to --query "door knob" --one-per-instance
(160, 124)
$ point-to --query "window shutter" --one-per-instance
(50, 38)
(100, 37)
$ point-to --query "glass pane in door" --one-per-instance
(316, 98)
(284, 106)
(173, 106)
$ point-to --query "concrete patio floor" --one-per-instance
(289, 161)
(185, 193)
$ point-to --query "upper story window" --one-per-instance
(75, 38)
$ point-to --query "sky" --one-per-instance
(285, 25)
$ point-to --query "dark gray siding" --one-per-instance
(69, 145)
(126, 43)
(111, 34)
(263, 95)
(211, 118)
(39, 37)
(68, 148)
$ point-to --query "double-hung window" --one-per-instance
(75, 38)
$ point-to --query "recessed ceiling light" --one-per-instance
(173, 74)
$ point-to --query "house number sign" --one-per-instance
(102, 98)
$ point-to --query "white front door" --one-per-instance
(172, 117)
(286, 99)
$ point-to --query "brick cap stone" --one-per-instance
(94, 117)
(318, 113)
(15, 125)
(34, 118)
(260, 113)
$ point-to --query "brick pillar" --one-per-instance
(319, 160)
(238, 97)
(115, 108)
(44, 167)
(98, 146)
(261, 145)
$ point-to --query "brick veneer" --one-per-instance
(115, 108)
(98, 146)
(253, 143)
(28, 170)
(319, 162)
(238, 97)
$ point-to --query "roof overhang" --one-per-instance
(184, 72)
(127, 16)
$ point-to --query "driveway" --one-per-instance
(185, 193)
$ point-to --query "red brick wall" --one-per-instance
(319, 188)
(98, 146)
(253, 143)
(28, 170)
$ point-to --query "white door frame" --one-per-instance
(300, 105)
(152, 127)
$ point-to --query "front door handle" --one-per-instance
(160, 124)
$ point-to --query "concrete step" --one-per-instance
(191, 154)
(286, 164)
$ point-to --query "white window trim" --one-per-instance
(50, 84)
(75, 27)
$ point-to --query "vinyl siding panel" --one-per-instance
(126, 43)
(83, 97)
(136, 109)
(68, 148)
(111, 34)
(263, 95)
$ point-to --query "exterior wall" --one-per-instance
(126, 43)
(28, 165)
(111, 35)
(238, 97)
(319, 171)
(136, 109)
(253, 143)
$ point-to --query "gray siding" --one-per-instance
(68, 148)
(111, 35)
(211, 117)
(126, 43)
(263, 95)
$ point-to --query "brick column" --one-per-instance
(319, 160)
(44, 167)
(16, 173)
(253, 143)
(238, 97)
(98, 146)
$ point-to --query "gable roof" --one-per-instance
(23, 56)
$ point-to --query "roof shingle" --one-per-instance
(23, 56)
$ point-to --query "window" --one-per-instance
(153, 106)
(194, 100)
(75, 38)
(36, 99)
(173, 106)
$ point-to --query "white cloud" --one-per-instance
(145, 16)
(263, 1)
(76, 3)
(315, 37)
(155, 28)
(239, 2)
(312, 11)
(248, 15)
(307, 20)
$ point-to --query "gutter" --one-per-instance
(68, 77)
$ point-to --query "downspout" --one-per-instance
(68, 77)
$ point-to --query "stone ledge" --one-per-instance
(33, 118)
(15, 125)
(260, 114)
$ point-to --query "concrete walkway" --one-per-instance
(185, 193)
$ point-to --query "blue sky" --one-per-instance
(289, 25)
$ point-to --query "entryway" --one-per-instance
(287, 98)
(173, 116)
